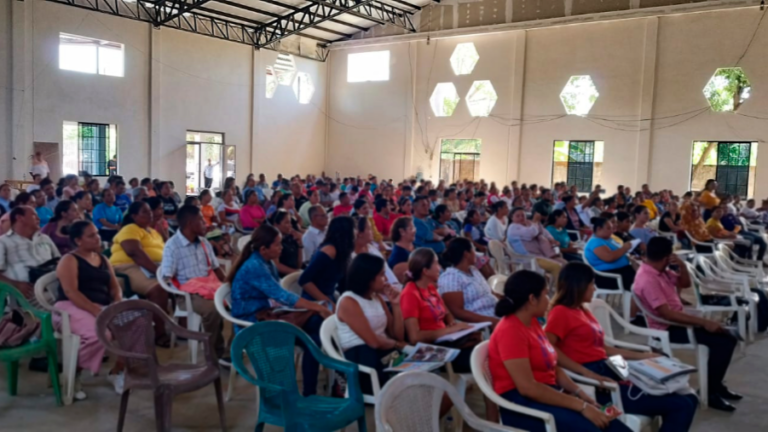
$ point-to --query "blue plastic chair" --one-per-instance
(269, 346)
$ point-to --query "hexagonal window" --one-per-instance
(481, 98)
(285, 69)
(444, 100)
(727, 89)
(464, 58)
(579, 95)
(303, 87)
(271, 86)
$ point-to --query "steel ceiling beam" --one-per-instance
(179, 7)
(321, 10)
(295, 8)
(274, 15)
(209, 11)
(192, 21)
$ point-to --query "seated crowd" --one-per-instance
(411, 263)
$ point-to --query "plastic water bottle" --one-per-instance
(450, 425)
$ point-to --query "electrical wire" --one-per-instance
(752, 39)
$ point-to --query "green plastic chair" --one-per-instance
(269, 346)
(46, 344)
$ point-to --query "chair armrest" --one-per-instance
(186, 333)
(503, 403)
(589, 381)
(627, 345)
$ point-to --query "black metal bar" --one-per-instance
(405, 3)
(274, 15)
(295, 8)
(248, 20)
(182, 7)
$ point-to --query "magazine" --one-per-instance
(460, 334)
(660, 369)
(423, 357)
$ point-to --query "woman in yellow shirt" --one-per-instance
(136, 250)
(708, 198)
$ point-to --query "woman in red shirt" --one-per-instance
(424, 313)
(579, 341)
(523, 364)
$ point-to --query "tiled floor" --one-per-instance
(34, 408)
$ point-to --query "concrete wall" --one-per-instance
(173, 82)
(645, 68)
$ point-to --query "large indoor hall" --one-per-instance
(383, 215)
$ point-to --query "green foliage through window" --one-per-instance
(727, 89)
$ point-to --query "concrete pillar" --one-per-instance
(647, 89)
(155, 103)
(258, 83)
(412, 132)
(515, 135)
(22, 84)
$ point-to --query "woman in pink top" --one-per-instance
(70, 187)
(252, 215)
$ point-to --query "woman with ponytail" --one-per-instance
(255, 285)
(523, 364)
(579, 341)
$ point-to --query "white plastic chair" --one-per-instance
(242, 241)
(497, 282)
(330, 341)
(482, 375)
(410, 402)
(291, 283)
(45, 293)
(508, 262)
(702, 286)
(727, 259)
(194, 321)
(620, 291)
(702, 351)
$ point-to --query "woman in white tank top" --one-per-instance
(367, 330)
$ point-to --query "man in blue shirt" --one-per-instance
(425, 237)
(122, 199)
(276, 184)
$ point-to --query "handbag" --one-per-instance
(17, 327)
(43, 269)
(297, 318)
(204, 286)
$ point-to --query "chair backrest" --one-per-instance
(130, 326)
(329, 337)
(291, 283)
(602, 313)
(46, 290)
(221, 299)
(497, 252)
(242, 241)
(411, 402)
(270, 349)
(497, 283)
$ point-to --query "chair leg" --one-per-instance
(194, 322)
(53, 371)
(231, 385)
(123, 407)
(626, 300)
(13, 377)
(361, 426)
(702, 358)
(70, 347)
(163, 404)
(220, 403)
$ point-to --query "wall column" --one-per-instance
(647, 89)
(257, 89)
(22, 90)
(409, 138)
(515, 133)
(155, 102)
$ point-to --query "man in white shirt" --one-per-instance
(208, 174)
(750, 213)
(315, 235)
(22, 248)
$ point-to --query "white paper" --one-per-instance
(634, 244)
(458, 335)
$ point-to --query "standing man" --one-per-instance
(112, 166)
(208, 175)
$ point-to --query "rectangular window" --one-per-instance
(209, 161)
(368, 66)
(732, 164)
(90, 148)
(459, 160)
(578, 163)
(87, 55)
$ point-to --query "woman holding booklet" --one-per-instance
(368, 331)
(524, 365)
(579, 341)
(427, 320)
